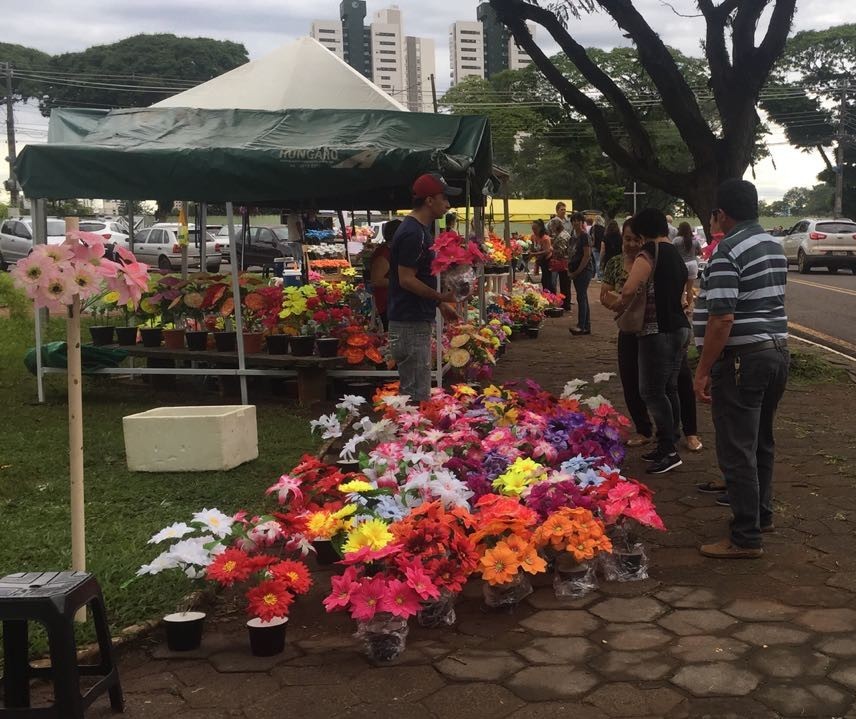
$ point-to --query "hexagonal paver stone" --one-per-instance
(396, 684)
(716, 679)
(538, 684)
(760, 610)
(558, 623)
(818, 699)
(545, 598)
(771, 634)
(838, 647)
(696, 621)
(401, 711)
(829, 620)
(633, 609)
(845, 675)
(551, 710)
(243, 661)
(791, 662)
(633, 637)
(633, 665)
(551, 650)
(305, 702)
(689, 598)
(704, 648)
(626, 700)
(479, 665)
(472, 701)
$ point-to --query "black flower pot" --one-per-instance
(197, 340)
(267, 639)
(554, 312)
(327, 346)
(226, 341)
(151, 336)
(101, 334)
(346, 466)
(532, 332)
(325, 555)
(184, 630)
(126, 336)
(277, 344)
(301, 346)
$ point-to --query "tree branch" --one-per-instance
(773, 44)
(743, 32)
(825, 158)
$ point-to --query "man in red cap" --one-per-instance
(413, 297)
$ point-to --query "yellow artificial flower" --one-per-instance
(492, 391)
(372, 533)
(346, 511)
(356, 485)
(323, 525)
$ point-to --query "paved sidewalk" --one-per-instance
(774, 637)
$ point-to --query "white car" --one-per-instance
(821, 243)
(158, 246)
(16, 238)
(109, 230)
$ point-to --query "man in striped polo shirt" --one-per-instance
(741, 329)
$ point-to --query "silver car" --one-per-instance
(16, 239)
(158, 246)
(821, 243)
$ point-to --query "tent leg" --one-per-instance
(236, 294)
(203, 236)
(506, 231)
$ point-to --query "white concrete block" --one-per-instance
(191, 439)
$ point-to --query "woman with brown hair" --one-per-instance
(689, 249)
(543, 252)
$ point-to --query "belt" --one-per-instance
(739, 350)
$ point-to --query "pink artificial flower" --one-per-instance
(341, 590)
(367, 597)
(399, 599)
(367, 554)
(86, 280)
(60, 254)
(130, 282)
(33, 271)
(544, 449)
(266, 533)
(58, 291)
(419, 581)
(285, 486)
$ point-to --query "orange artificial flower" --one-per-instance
(499, 565)
(531, 561)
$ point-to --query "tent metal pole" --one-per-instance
(131, 226)
(40, 237)
(438, 326)
(236, 295)
(182, 224)
(202, 234)
(506, 231)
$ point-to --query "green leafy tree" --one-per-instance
(738, 67)
(135, 72)
(22, 58)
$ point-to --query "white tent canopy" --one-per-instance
(303, 74)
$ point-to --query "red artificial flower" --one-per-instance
(294, 574)
(269, 600)
(231, 566)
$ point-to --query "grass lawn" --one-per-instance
(123, 509)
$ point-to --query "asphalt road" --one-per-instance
(822, 308)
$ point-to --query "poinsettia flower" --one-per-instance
(286, 486)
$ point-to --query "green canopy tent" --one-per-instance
(299, 158)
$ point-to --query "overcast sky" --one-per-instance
(56, 26)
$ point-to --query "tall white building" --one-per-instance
(421, 65)
(387, 46)
(466, 50)
(329, 34)
(518, 58)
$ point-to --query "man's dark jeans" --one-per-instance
(660, 357)
(581, 285)
(743, 409)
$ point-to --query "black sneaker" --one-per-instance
(665, 464)
(652, 456)
(722, 500)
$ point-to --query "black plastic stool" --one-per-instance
(53, 598)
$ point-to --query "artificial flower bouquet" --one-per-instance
(471, 350)
(359, 345)
(454, 258)
(496, 251)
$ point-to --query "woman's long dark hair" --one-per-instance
(542, 228)
(685, 231)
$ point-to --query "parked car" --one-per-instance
(158, 246)
(16, 239)
(821, 243)
(109, 230)
(261, 245)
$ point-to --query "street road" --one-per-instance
(822, 308)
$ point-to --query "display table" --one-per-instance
(311, 371)
(497, 284)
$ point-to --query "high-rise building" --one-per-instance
(518, 58)
(356, 37)
(466, 50)
(329, 34)
(420, 63)
(496, 37)
(387, 53)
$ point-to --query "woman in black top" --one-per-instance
(665, 335)
(611, 245)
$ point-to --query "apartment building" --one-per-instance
(356, 37)
(387, 53)
(420, 61)
(329, 34)
(466, 50)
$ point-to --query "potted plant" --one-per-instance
(218, 306)
(192, 312)
(294, 314)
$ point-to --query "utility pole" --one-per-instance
(10, 137)
(838, 209)
(434, 94)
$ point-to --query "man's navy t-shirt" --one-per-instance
(411, 247)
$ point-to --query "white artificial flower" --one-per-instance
(594, 402)
(217, 523)
(330, 424)
(192, 551)
(173, 531)
(163, 561)
(266, 533)
(400, 402)
(351, 403)
(383, 430)
(350, 447)
(603, 377)
(572, 387)
(417, 456)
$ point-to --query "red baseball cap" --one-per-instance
(431, 184)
